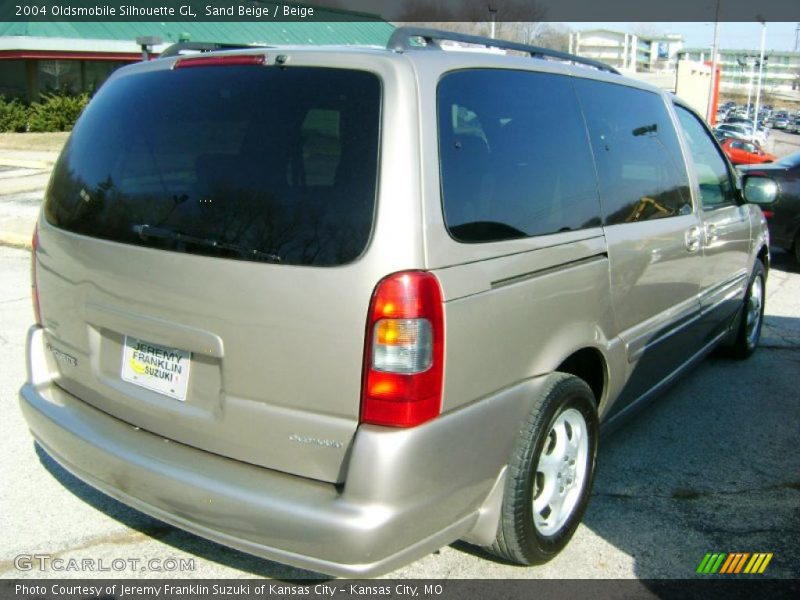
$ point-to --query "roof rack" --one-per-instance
(402, 40)
(176, 49)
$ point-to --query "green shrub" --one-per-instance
(56, 112)
(13, 115)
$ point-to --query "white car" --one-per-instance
(746, 129)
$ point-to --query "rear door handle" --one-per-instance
(711, 233)
(692, 239)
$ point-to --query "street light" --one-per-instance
(493, 14)
(711, 109)
(750, 63)
(751, 66)
(146, 43)
(760, 72)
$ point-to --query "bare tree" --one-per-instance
(470, 16)
(644, 30)
(547, 35)
(537, 33)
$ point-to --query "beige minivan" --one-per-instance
(377, 300)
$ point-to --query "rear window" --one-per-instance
(242, 162)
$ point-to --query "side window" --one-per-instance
(712, 173)
(515, 159)
(639, 163)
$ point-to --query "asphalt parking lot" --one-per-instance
(712, 466)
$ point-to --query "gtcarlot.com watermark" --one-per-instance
(47, 562)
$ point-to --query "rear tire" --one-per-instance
(752, 317)
(550, 474)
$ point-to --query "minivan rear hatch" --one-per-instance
(200, 253)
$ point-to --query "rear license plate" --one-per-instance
(158, 368)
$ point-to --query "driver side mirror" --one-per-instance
(760, 190)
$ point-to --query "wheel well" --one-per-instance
(763, 256)
(589, 365)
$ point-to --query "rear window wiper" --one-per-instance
(146, 231)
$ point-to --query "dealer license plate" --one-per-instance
(158, 368)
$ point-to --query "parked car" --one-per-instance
(780, 122)
(793, 125)
(742, 152)
(761, 133)
(736, 131)
(783, 215)
(370, 311)
(721, 136)
(739, 119)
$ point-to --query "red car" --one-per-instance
(742, 152)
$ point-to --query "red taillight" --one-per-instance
(37, 315)
(219, 61)
(404, 351)
(768, 214)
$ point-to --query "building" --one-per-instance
(75, 57)
(780, 74)
(626, 51)
(693, 85)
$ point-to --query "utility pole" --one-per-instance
(711, 109)
(493, 13)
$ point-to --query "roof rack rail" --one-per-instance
(176, 49)
(401, 40)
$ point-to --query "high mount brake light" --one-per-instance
(404, 351)
(220, 61)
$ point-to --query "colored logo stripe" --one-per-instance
(732, 563)
(702, 566)
(726, 567)
(711, 563)
(758, 563)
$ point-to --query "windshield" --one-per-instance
(739, 128)
(244, 162)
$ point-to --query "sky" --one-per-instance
(779, 36)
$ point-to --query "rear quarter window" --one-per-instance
(514, 157)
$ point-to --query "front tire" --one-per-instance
(752, 318)
(550, 473)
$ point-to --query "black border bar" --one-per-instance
(405, 11)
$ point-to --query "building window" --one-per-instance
(59, 76)
(12, 79)
(96, 72)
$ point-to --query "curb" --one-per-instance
(15, 240)
(25, 164)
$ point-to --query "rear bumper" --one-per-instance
(406, 493)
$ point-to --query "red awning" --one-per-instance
(66, 55)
